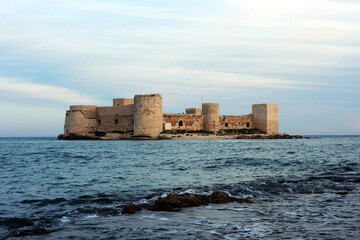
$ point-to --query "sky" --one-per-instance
(303, 55)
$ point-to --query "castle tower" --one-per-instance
(210, 112)
(266, 117)
(81, 120)
(148, 115)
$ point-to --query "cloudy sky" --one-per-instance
(303, 55)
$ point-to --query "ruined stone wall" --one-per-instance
(266, 117)
(81, 120)
(236, 122)
(116, 118)
(190, 122)
(148, 115)
(210, 112)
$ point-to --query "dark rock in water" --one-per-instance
(32, 232)
(265, 136)
(175, 201)
(76, 137)
(222, 197)
(131, 209)
(341, 193)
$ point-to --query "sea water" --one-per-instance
(301, 188)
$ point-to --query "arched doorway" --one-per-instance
(181, 123)
(247, 124)
(226, 125)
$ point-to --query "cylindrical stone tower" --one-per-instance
(210, 112)
(81, 119)
(148, 115)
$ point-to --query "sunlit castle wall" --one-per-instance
(266, 117)
(210, 112)
(148, 115)
(81, 120)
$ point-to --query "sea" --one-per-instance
(301, 188)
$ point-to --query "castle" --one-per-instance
(143, 116)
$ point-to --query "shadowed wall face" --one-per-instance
(188, 122)
(196, 111)
(236, 122)
(116, 119)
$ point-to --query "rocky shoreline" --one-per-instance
(128, 136)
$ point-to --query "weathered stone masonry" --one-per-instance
(143, 116)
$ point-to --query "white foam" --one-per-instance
(65, 219)
(153, 216)
(236, 209)
(91, 216)
(146, 201)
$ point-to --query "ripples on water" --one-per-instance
(305, 188)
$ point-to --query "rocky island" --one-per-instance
(142, 118)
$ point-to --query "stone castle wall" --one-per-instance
(236, 122)
(188, 122)
(210, 113)
(148, 115)
(266, 117)
(143, 116)
(116, 119)
(81, 119)
(196, 111)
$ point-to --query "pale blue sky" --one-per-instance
(303, 55)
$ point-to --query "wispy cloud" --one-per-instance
(25, 91)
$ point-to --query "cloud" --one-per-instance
(25, 91)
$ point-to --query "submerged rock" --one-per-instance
(176, 201)
(32, 232)
(131, 209)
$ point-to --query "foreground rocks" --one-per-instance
(174, 201)
(131, 209)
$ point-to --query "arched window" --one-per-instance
(116, 121)
(181, 123)
(247, 124)
(99, 121)
(226, 125)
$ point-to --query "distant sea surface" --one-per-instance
(302, 189)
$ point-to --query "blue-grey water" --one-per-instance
(302, 189)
